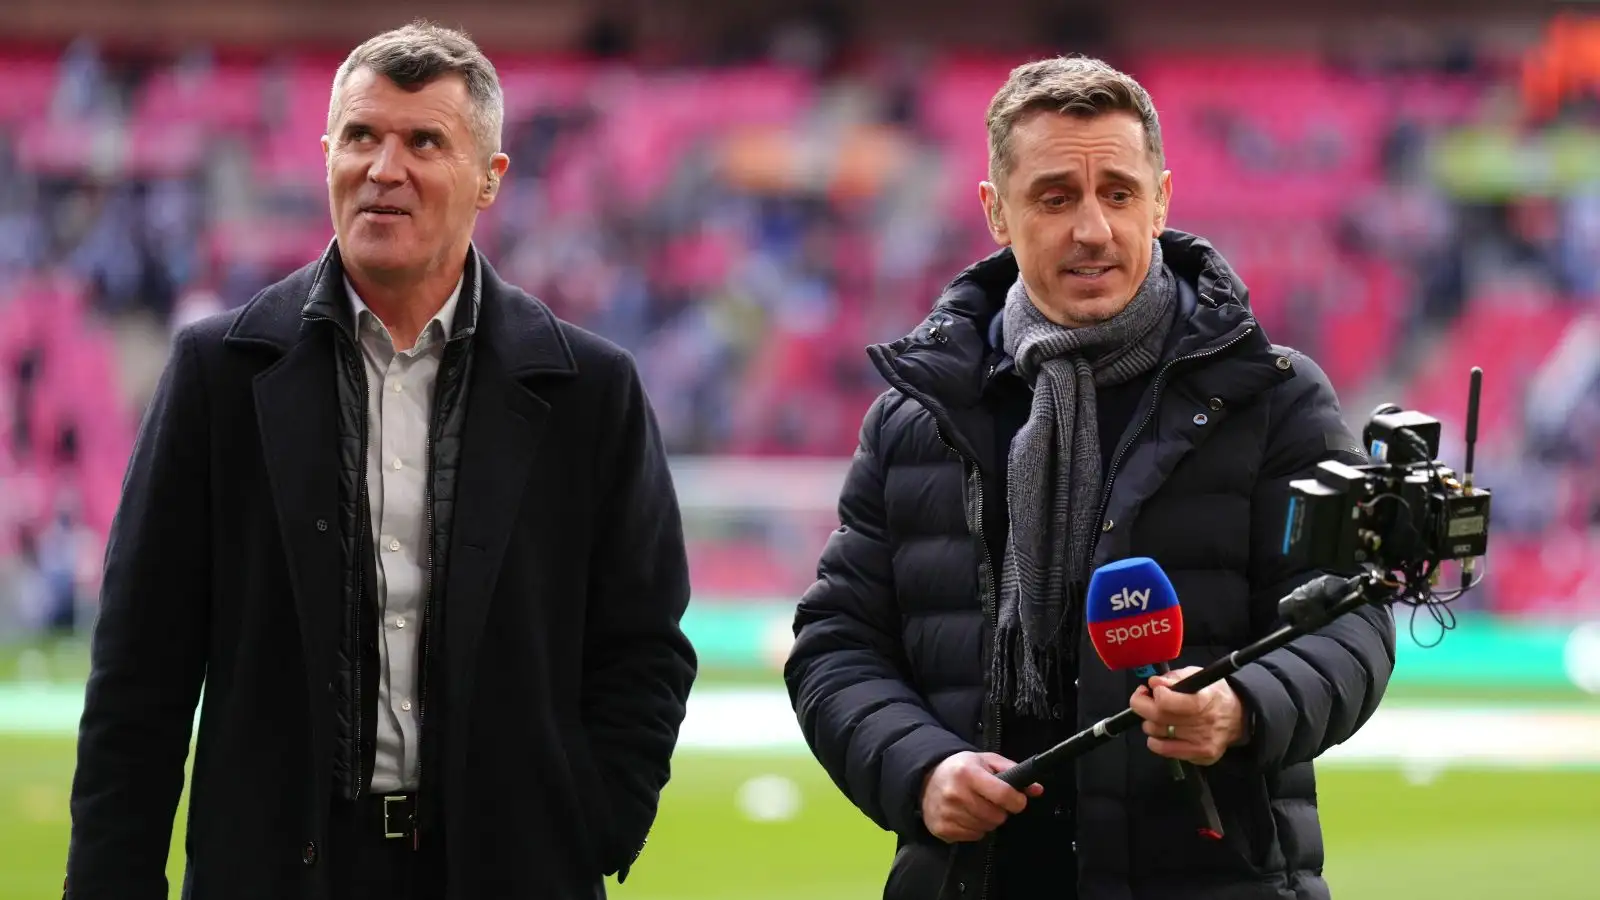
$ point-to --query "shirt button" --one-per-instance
(398, 387)
(405, 705)
(397, 462)
(394, 545)
(400, 622)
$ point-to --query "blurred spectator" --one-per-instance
(745, 229)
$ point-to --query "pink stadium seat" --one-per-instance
(734, 568)
(757, 95)
(540, 84)
(1360, 331)
(227, 97)
(702, 260)
(60, 147)
(291, 158)
(295, 98)
(1509, 340)
(164, 149)
(1548, 576)
(27, 90)
(282, 245)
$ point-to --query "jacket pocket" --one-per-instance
(1165, 813)
(1245, 807)
(918, 871)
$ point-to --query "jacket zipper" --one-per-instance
(976, 478)
(992, 608)
(991, 598)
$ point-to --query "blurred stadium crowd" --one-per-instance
(746, 228)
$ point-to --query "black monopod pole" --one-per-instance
(1307, 608)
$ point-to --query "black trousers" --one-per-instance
(368, 864)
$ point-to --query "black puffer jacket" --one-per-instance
(892, 639)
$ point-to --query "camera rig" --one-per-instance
(1405, 513)
(1391, 522)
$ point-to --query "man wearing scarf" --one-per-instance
(1095, 390)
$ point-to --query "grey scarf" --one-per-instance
(1054, 473)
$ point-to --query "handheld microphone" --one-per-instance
(1134, 617)
(1135, 622)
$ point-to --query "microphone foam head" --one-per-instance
(1133, 614)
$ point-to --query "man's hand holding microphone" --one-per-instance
(1197, 728)
(1136, 627)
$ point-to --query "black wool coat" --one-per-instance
(556, 675)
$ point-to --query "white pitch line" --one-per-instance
(759, 720)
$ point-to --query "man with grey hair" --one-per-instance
(417, 539)
(1096, 390)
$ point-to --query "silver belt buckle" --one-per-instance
(388, 828)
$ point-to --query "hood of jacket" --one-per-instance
(948, 361)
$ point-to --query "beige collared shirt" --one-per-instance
(400, 389)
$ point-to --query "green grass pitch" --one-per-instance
(729, 830)
(769, 825)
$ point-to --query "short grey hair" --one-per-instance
(421, 52)
(1070, 85)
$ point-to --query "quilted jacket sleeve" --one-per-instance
(846, 674)
(1318, 690)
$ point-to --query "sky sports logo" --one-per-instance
(1126, 599)
(1117, 634)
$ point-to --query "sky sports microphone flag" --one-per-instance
(1133, 613)
(1135, 622)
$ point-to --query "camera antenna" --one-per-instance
(1474, 390)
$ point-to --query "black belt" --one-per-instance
(391, 816)
(399, 814)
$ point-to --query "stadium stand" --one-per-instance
(745, 231)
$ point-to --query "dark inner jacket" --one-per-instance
(892, 640)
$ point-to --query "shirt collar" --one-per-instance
(443, 320)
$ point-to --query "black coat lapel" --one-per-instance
(296, 410)
(518, 347)
(505, 423)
